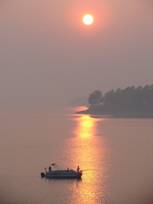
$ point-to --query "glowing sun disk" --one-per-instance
(88, 19)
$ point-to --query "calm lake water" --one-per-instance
(115, 154)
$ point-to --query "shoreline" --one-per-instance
(121, 115)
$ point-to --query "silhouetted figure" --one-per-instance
(78, 168)
(50, 168)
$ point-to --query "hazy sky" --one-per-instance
(47, 56)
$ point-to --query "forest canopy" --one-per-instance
(131, 102)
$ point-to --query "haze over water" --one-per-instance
(47, 60)
(115, 154)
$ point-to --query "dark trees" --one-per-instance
(95, 98)
(129, 101)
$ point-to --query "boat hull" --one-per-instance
(62, 174)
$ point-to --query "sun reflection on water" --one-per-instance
(87, 150)
(86, 126)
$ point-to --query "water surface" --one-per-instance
(115, 154)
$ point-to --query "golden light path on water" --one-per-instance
(87, 150)
(86, 127)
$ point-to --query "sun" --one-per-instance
(88, 19)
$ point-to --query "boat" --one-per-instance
(62, 174)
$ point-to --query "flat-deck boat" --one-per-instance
(62, 174)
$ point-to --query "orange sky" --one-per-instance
(45, 43)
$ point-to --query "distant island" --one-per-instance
(129, 102)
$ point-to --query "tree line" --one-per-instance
(131, 101)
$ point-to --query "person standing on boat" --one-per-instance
(78, 168)
(50, 168)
